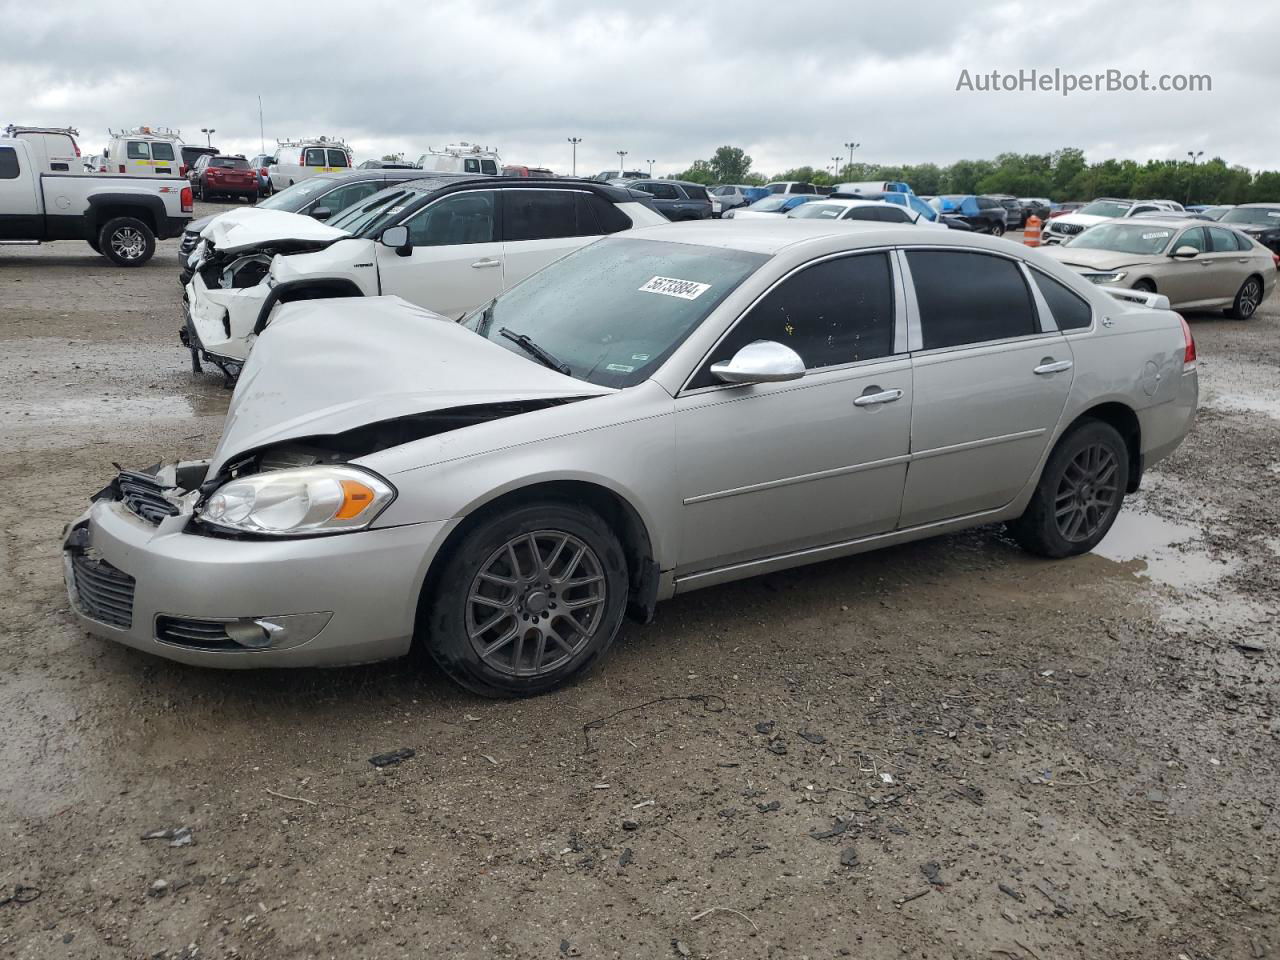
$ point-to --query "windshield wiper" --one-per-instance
(546, 359)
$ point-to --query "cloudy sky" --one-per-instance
(667, 82)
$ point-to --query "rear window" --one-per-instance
(338, 158)
(234, 163)
(162, 151)
(313, 157)
(489, 167)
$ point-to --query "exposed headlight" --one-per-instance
(301, 501)
(1105, 277)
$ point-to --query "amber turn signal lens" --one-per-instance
(355, 498)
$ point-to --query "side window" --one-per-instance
(642, 187)
(860, 213)
(696, 193)
(892, 215)
(138, 150)
(1195, 237)
(8, 163)
(834, 312)
(541, 215)
(346, 195)
(460, 218)
(1138, 211)
(597, 211)
(1222, 240)
(1070, 309)
(969, 298)
(314, 157)
(1242, 242)
(162, 151)
(338, 158)
(664, 191)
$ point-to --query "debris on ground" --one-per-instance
(392, 757)
(177, 836)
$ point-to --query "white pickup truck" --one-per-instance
(121, 217)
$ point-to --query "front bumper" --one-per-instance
(223, 320)
(367, 582)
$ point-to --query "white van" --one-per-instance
(298, 160)
(462, 158)
(145, 152)
(53, 149)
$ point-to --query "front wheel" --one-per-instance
(997, 229)
(1079, 494)
(1247, 299)
(529, 599)
(126, 241)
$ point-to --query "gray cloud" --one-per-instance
(666, 82)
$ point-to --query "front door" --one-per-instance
(990, 384)
(455, 261)
(1186, 281)
(768, 468)
(19, 207)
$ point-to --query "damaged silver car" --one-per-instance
(662, 410)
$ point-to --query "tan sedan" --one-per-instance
(1198, 266)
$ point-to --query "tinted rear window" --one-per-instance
(8, 163)
(969, 298)
(162, 151)
(234, 163)
(1070, 309)
(338, 158)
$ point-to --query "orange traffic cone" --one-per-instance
(1031, 231)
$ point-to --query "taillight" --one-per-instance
(76, 146)
(302, 159)
(186, 200)
(182, 170)
(262, 171)
(1189, 351)
(122, 168)
(1276, 258)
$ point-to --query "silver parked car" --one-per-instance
(659, 411)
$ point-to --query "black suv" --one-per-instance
(1259, 220)
(674, 199)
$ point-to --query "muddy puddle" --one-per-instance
(1245, 403)
(1164, 550)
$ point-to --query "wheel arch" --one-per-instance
(308, 288)
(107, 206)
(1125, 421)
(617, 510)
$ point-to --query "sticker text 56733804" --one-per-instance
(671, 287)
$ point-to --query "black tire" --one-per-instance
(449, 611)
(94, 245)
(126, 241)
(1042, 528)
(1248, 299)
(997, 229)
(1144, 286)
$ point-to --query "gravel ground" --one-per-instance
(948, 750)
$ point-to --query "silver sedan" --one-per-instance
(658, 412)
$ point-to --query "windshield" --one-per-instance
(1105, 208)
(613, 311)
(1136, 238)
(770, 204)
(1259, 216)
(817, 211)
(359, 215)
(292, 199)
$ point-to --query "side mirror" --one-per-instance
(1185, 252)
(321, 213)
(764, 361)
(398, 239)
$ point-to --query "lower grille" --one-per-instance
(102, 592)
(201, 634)
(144, 496)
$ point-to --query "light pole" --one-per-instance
(575, 141)
(1194, 155)
(835, 167)
(208, 135)
(621, 156)
(650, 169)
(852, 147)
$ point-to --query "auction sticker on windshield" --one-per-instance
(671, 287)
(1155, 236)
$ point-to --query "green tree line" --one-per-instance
(1061, 175)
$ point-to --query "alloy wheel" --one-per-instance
(128, 243)
(1250, 297)
(1087, 493)
(536, 602)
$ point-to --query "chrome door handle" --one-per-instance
(1205, 263)
(884, 396)
(1049, 365)
(481, 264)
(1242, 260)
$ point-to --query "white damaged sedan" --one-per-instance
(660, 411)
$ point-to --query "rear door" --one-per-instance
(164, 159)
(1230, 265)
(455, 262)
(542, 225)
(19, 205)
(991, 378)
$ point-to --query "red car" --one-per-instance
(226, 175)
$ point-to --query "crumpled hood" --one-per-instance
(1095, 259)
(325, 366)
(248, 227)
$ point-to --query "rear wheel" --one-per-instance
(529, 599)
(997, 229)
(1248, 297)
(126, 241)
(1079, 494)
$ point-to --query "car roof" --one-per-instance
(434, 181)
(858, 202)
(771, 235)
(1166, 221)
(1274, 205)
